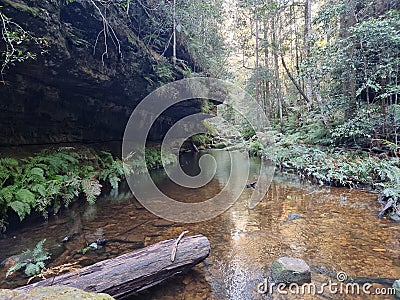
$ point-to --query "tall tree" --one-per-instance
(307, 46)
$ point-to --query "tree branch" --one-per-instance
(294, 81)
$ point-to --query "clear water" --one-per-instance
(338, 230)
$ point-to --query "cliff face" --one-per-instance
(69, 94)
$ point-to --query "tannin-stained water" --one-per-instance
(338, 230)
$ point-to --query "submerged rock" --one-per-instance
(10, 261)
(394, 217)
(396, 286)
(50, 293)
(290, 270)
(294, 216)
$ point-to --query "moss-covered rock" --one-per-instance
(50, 293)
(290, 270)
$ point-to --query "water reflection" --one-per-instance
(338, 230)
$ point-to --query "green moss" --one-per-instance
(22, 7)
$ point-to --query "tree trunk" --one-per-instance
(298, 87)
(307, 47)
(134, 271)
(259, 126)
(347, 20)
(275, 50)
(174, 33)
(267, 106)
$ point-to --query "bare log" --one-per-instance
(135, 271)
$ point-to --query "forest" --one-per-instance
(324, 73)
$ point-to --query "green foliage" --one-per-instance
(16, 39)
(200, 28)
(256, 148)
(247, 131)
(210, 129)
(164, 72)
(200, 139)
(32, 261)
(220, 146)
(112, 169)
(154, 161)
(53, 179)
(206, 106)
(198, 32)
(356, 70)
(337, 166)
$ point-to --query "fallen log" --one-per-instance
(130, 273)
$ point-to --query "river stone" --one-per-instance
(290, 270)
(396, 286)
(294, 216)
(394, 217)
(51, 293)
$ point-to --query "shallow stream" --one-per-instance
(338, 231)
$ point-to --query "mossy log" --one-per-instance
(135, 271)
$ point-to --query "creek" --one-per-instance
(338, 230)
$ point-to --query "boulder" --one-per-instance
(394, 217)
(50, 293)
(290, 270)
(396, 286)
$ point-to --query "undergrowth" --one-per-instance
(32, 261)
(339, 167)
(153, 160)
(54, 179)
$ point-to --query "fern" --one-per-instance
(19, 265)
(114, 181)
(92, 189)
(31, 260)
(54, 179)
(21, 208)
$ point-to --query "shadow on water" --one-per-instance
(338, 230)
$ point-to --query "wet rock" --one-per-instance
(290, 270)
(394, 217)
(69, 94)
(50, 293)
(294, 216)
(10, 261)
(396, 286)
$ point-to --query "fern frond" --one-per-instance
(92, 189)
(21, 208)
(19, 265)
